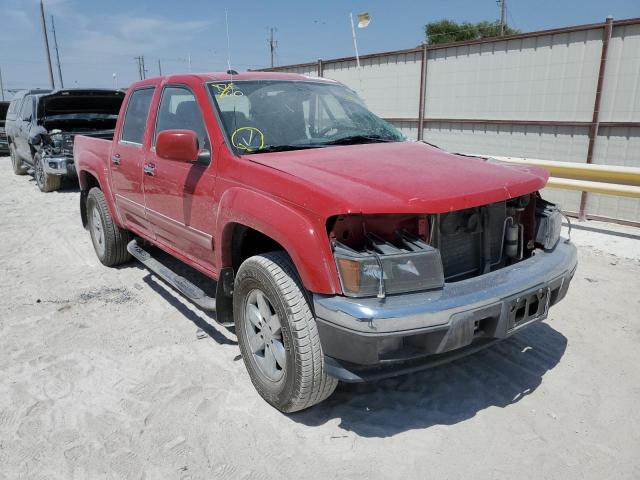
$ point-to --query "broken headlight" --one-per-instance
(384, 268)
(56, 139)
(549, 224)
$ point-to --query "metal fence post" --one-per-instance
(595, 121)
(423, 87)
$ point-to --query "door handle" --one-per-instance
(116, 159)
(149, 169)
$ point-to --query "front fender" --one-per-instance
(301, 234)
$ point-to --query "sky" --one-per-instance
(98, 38)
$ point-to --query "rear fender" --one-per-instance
(88, 165)
(301, 234)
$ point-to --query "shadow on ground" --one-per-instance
(497, 377)
(206, 321)
(68, 185)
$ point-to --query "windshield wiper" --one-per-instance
(281, 148)
(353, 139)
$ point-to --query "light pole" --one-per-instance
(115, 80)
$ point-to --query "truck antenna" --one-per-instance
(226, 20)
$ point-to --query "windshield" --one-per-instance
(267, 116)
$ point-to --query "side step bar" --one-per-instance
(184, 286)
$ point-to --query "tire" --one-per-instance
(46, 183)
(109, 240)
(301, 382)
(16, 161)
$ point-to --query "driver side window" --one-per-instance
(25, 112)
(179, 110)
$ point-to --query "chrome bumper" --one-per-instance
(59, 165)
(372, 331)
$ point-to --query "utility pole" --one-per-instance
(189, 61)
(46, 44)
(1, 85)
(273, 44)
(142, 71)
(140, 61)
(503, 12)
(159, 68)
(55, 44)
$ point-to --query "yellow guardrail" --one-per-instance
(607, 179)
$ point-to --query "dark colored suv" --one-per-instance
(42, 124)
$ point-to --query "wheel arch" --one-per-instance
(250, 223)
(89, 178)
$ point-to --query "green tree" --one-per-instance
(447, 31)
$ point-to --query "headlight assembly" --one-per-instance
(549, 224)
(384, 268)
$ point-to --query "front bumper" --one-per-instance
(367, 338)
(59, 165)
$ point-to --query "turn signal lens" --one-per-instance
(350, 274)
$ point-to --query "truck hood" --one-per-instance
(80, 102)
(401, 177)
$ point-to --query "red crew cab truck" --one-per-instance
(342, 251)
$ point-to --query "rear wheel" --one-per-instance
(109, 240)
(46, 183)
(277, 334)
(16, 161)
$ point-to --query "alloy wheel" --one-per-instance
(264, 332)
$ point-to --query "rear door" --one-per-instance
(179, 196)
(127, 158)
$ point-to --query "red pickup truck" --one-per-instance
(341, 250)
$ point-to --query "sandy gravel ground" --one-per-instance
(102, 375)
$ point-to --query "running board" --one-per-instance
(184, 286)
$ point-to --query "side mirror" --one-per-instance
(178, 145)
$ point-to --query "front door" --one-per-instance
(127, 159)
(23, 125)
(178, 195)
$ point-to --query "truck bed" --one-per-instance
(85, 147)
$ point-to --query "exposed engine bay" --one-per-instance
(66, 113)
(385, 254)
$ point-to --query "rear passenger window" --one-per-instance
(135, 118)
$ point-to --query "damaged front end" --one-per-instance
(64, 114)
(387, 254)
(56, 148)
(424, 288)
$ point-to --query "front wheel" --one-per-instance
(109, 240)
(16, 161)
(46, 183)
(277, 334)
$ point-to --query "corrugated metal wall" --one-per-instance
(531, 95)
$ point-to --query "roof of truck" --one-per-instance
(224, 76)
